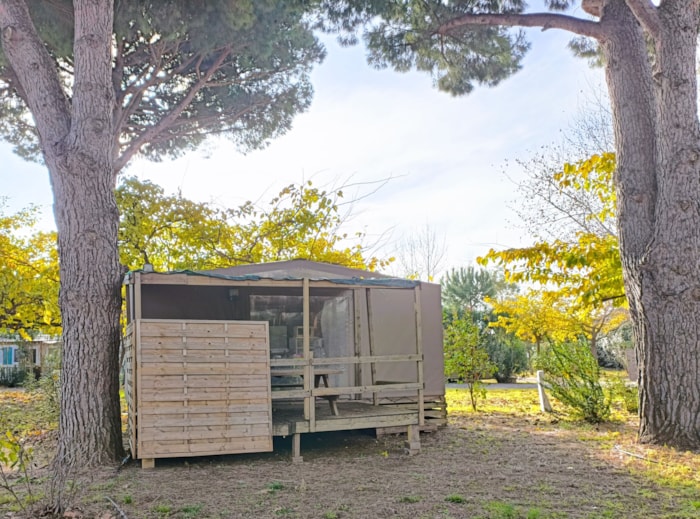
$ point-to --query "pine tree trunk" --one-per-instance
(87, 219)
(77, 139)
(90, 301)
(658, 183)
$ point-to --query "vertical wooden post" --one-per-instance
(545, 406)
(296, 448)
(370, 325)
(308, 370)
(148, 463)
(413, 439)
(419, 351)
(137, 295)
(358, 340)
(136, 373)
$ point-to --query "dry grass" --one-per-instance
(506, 461)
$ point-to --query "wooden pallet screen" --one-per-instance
(203, 388)
(129, 392)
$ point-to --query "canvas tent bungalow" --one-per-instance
(219, 362)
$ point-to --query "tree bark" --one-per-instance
(77, 140)
(658, 186)
(87, 220)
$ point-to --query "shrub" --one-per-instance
(628, 395)
(573, 375)
(466, 358)
(13, 376)
(510, 358)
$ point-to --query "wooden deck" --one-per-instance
(288, 416)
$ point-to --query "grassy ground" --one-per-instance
(506, 461)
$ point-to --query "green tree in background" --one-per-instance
(465, 357)
(28, 276)
(172, 233)
(467, 288)
(467, 294)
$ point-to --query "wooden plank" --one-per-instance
(180, 448)
(380, 388)
(205, 343)
(286, 363)
(204, 369)
(202, 329)
(369, 422)
(419, 351)
(298, 372)
(357, 336)
(137, 371)
(370, 324)
(194, 407)
(150, 357)
(295, 393)
(365, 359)
(174, 395)
(206, 419)
(172, 381)
(203, 433)
(306, 344)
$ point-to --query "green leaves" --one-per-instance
(413, 35)
(174, 233)
(28, 276)
(185, 70)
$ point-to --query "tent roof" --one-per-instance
(297, 269)
(300, 269)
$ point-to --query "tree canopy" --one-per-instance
(28, 276)
(90, 84)
(585, 263)
(182, 71)
(172, 233)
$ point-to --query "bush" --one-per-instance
(627, 395)
(13, 376)
(509, 359)
(573, 375)
(466, 358)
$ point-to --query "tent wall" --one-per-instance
(434, 358)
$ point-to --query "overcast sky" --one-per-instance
(446, 155)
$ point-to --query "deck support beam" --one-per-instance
(296, 448)
(413, 439)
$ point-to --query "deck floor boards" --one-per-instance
(288, 416)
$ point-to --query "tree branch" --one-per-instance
(646, 13)
(544, 20)
(35, 71)
(173, 114)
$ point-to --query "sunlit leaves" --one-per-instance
(580, 278)
(173, 233)
(587, 267)
(28, 276)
